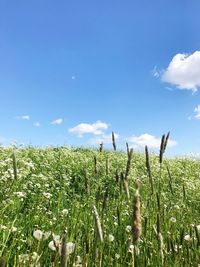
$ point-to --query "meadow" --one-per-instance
(86, 207)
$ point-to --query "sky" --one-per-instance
(71, 72)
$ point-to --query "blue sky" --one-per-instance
(71, 72)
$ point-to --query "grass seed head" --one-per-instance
(98, 224)
(136, 226)
(113, 141)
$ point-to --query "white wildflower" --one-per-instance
(38, 185)
(198, 227)
(38, 234)
(131, 248)
(23, 258)
(47, 195)
(187, 238)
(14, 229)
(70, 246)
(111, 238)
(46, 235)
(128, 228)
(78, 259)
(35, 256)
(177, 207)
(57, 240)
(117, 256)
(51, 245)
(115, 223)
(64, 212)
(78, 262)
(20, 194)
(3, 227)
(172, 219)
(177, 247)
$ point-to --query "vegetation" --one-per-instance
(80, 207)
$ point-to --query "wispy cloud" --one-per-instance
(184, 71)
(84, 128)
(2, 140)
(5, 142)
(197, 111)
(104, 138)
(57, 121)
(23, 117)
(149, 140)
(156, 72)
(37, 124)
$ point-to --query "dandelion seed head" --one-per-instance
(172, 219)
(187, 237)
(14, 229)
(128, 228)
(198, 227)
(131, 248)
(111, 238)
(38, 234)
(51, 245)
(65, 212)
(117, 256)
(176, 207)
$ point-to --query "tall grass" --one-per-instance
(114, 208)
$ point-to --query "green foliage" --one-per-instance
(54, 190)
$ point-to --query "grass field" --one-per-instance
(81, 207)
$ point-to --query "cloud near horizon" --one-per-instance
(184, 71)
(104, 138)
(85, 128)
(146, 139)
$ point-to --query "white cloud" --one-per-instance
(169, 88)
(105, 138)
(73, 77)
(57, 121)
(155, 72)
(36, 124)
(24, 117)
(2, 140)
(5, 142)
(149, 140)
(184, 71)
(83, 128)
(197, 111)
